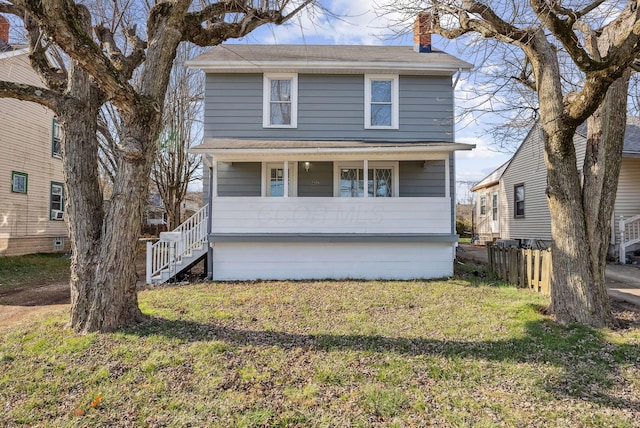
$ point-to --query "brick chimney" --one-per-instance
(422, 33)
(4, 29)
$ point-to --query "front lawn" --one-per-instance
(448, 353)
(33, 269)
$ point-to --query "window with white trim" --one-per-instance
(280, 101)
(56, 201)
(56, 139)
(494, 207)
(381, 180)
(518, 200)
(483, 205)
(19, 182)
(381, 102)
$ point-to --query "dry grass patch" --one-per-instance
(451, 353)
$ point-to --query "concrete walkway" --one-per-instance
(623, 281)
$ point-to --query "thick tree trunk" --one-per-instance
(103, 277)
(601, 171)
(577, 293)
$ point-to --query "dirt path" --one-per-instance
(23, 304)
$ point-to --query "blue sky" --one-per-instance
(358, 24)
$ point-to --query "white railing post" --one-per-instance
(149, 261)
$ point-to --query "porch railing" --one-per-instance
(629, 235)
(192, 234)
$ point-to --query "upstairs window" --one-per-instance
(483, 205)
(518, 200)
(56, 201)
(280, 101)
(18, 182)
(56, 139)
(381, 99)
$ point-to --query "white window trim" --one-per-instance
(395, 100)
(266, 99)
(23, 175)
(337, 166)
(292, 173)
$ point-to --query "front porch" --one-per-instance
(323, 209)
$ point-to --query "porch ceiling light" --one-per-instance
(307, 165)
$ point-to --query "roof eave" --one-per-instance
(323, 67)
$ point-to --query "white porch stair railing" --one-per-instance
(629, 235)
(177, 250)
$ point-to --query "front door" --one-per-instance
(495, 215)
(275, 179)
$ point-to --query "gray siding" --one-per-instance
(239, 179)
(417, 181)
(318, 182)
(330, 107)
(528, 167)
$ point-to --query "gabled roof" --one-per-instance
(493, 178)
(631, 148)
(342, 59)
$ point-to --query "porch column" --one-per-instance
(286, 179)
(214, 179)
(213, 192)
(365, 179)
(447, 177)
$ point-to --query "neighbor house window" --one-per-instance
(381, 102)
(518, 198)
(380, 181)
(56, 139)
(483, 205)
(280, 101)
(494, 207)
(56, 203)
(18, 182)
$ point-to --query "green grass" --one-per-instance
(33, 269)
(464, 240)
(462, 352)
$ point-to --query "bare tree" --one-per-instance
(174, 168)
(601, 55)
(103, 277)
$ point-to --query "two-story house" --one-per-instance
(31, 179)
(330, 161)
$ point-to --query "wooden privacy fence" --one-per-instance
(522, 267)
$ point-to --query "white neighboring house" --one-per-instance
(328, 161)
(520, 186)
(32, 193)
(489, 206)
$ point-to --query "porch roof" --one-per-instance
(228, 147)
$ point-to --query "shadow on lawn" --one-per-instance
(590, 364)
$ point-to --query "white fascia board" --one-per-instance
(329, 67)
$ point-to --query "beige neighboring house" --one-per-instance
(487, 207)
(32, 195)
(519, 186)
